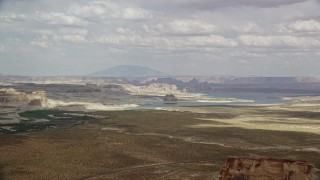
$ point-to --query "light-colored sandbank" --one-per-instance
(280, 117)
(89, 106)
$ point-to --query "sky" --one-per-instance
(177, 37)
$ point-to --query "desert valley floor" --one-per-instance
(175, 143)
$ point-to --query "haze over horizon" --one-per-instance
(177, 37)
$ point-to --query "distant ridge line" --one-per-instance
(129, 71)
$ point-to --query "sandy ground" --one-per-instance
(268, 121)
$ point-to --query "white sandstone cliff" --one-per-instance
(155, 89)
(11, 97)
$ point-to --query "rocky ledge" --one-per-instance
(243, 168)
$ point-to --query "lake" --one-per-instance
(255, 98)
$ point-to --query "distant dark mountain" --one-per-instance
(129, 71)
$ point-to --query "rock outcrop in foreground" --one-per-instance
(243, 168)
(12, 97)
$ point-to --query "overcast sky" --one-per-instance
(178, 37)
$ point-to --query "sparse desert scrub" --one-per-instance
(146, 137)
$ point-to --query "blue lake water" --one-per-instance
(257, 98)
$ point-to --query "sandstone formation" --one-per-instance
(242, 168)
(153, 89)
(170, 98)
(11, 97)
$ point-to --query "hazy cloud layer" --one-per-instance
(214, 4)
(179, 37)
